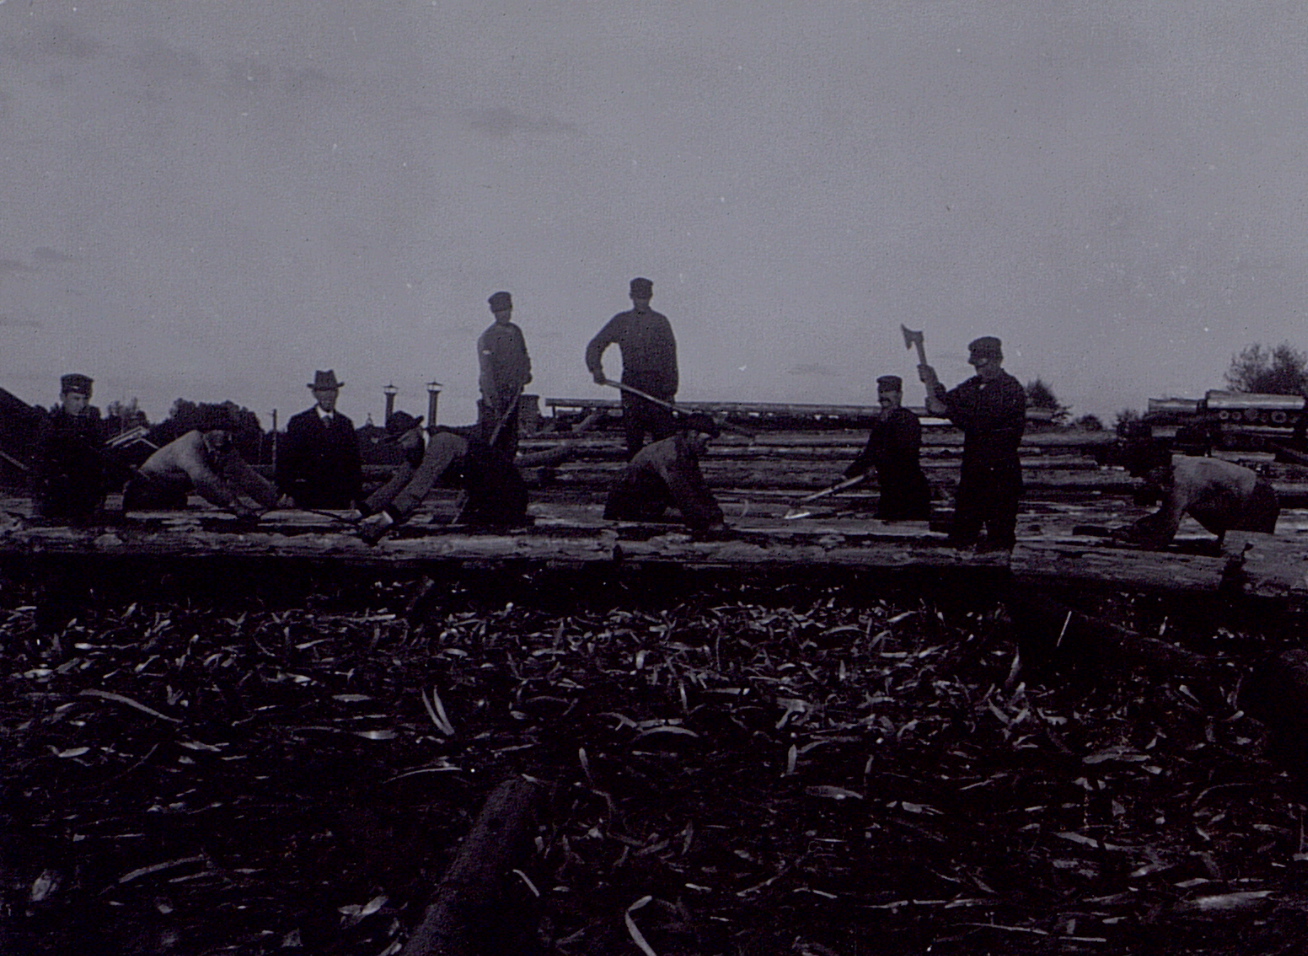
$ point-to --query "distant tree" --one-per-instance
(1125, 417)
(1040, 395)
(1089, 423)
(185, 415)
(120, 416)
(1279, 371)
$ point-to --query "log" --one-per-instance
(1093, 562)
(1266, 565)
(467, 911)
(1047, 628)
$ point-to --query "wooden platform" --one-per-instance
(1070, 502)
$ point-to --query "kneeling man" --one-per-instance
(1221, 495)
(666, 474)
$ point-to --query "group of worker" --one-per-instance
(319, 464)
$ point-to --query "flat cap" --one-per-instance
(890, 383)
(987, 345)
(500, 301)
(399, 423)
(641, 287)
(81, 384)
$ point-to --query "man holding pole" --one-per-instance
(649, 364)
(505, 370)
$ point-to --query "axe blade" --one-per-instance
(911, 338)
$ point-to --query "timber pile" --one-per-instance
(1070, 502)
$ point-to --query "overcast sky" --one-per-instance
(211, 199)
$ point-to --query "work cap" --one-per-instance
(399, 423)
(890, 383)
(987, 346)
(699, 422)
(641, 288)
(80, 384)
(325, 380)
(500, 301)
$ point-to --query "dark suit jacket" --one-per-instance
(319, 466)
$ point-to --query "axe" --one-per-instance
(800, 511)
(911, 339)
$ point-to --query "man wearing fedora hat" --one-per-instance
(318, 463)
(505, 370)
(71, 471)
(649, 363)
(893, 448)
(990, 408)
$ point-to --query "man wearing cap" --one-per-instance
(665, 474)
(649, 363)
(496, 493)
(318, 462)
(893, 447)
(203, 460)
(505, 370)
(990, 408)
(71, 473)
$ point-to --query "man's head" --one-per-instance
(325, 388)
(890, 392)
(404, 430)
(501, 303)
(642, 290)
(986, 355)
(699, 428)
(75, 393)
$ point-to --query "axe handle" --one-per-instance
(624, 387)
(839, 486)
(921, 352)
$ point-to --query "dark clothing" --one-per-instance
(665, 473)
(71, 471)
(497, 495)
(893, 448)
(505, 371)
(319, 464)
(992, 416)
(649, 363)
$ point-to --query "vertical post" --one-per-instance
(274, 438)
(390, 392)
(433, 396)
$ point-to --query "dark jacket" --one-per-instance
(893, 448)
(665, 473)
(320, 466)
(649, 351)
(70, 468)
(992, 416)
(505, 365)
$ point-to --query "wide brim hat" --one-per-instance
(325, 380)
(399, 424)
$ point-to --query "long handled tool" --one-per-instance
(461, 504)
(632, 390)
(800, 510)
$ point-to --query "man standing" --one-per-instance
(505, 370)
(318, 463)
(70, 468)
(203, 460)
(893, 448)
(649, 363)
(990, 408)
(666, 474)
